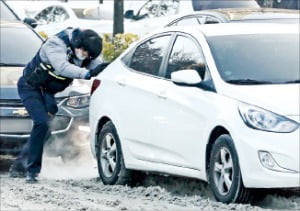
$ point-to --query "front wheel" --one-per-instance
(224, 173)
(110, 161)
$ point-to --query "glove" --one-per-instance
(94, 72)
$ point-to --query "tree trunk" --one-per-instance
(118, 17)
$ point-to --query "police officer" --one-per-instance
(72, 53)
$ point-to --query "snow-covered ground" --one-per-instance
(75, 186)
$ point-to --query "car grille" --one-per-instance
(24, 125)
(15, 125)
(10, 103)
(15, 120)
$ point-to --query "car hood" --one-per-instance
(9, 78)
(282, 99)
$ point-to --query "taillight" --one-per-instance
(95, 85)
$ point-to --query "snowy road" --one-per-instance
(75, 186)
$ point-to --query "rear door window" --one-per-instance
(45, 16)
(147, 57)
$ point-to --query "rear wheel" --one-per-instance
(110, 161)
(224, 173)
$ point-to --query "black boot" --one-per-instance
(17, 169)
(31, 177)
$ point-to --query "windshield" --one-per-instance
(18, 45)
(255, 59)
(215, 4)
(6, 14)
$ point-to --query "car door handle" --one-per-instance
(162, 95)
(122, 82)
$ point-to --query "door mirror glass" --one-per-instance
(186, 77)
(31, 22)
(129, 14)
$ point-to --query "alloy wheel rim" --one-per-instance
(223, 171)
(108, 155)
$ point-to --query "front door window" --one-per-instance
(185, 55)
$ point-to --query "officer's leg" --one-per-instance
(40, 131)
(21, 160)
(18, 168)
(31, 154)
(24, 153)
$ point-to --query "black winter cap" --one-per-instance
(89, 40)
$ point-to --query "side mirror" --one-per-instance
(186, 77)
(129, 14)
(31, 22)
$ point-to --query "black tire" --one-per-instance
(224, 166)
(118, 175)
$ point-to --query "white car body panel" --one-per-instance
(280, 99)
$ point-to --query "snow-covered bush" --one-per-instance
(114, 46)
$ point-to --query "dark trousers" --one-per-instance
(33, 101)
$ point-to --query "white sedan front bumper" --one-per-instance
(283, 148)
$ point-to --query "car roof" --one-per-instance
(235, 14)
(236, 28)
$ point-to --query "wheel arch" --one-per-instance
(216, 132)
(100, 125)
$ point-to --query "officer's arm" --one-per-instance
(54, 51)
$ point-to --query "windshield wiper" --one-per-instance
(248, 81)
(11, 65)
(292, 82)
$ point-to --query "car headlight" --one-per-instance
(80, 101)
(261, 119)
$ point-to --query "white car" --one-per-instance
(54, 16)
(237, 15)
(141, 17)
(215, 102)
(156, 14)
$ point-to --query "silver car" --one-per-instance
(19, 43)
(236, 15)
